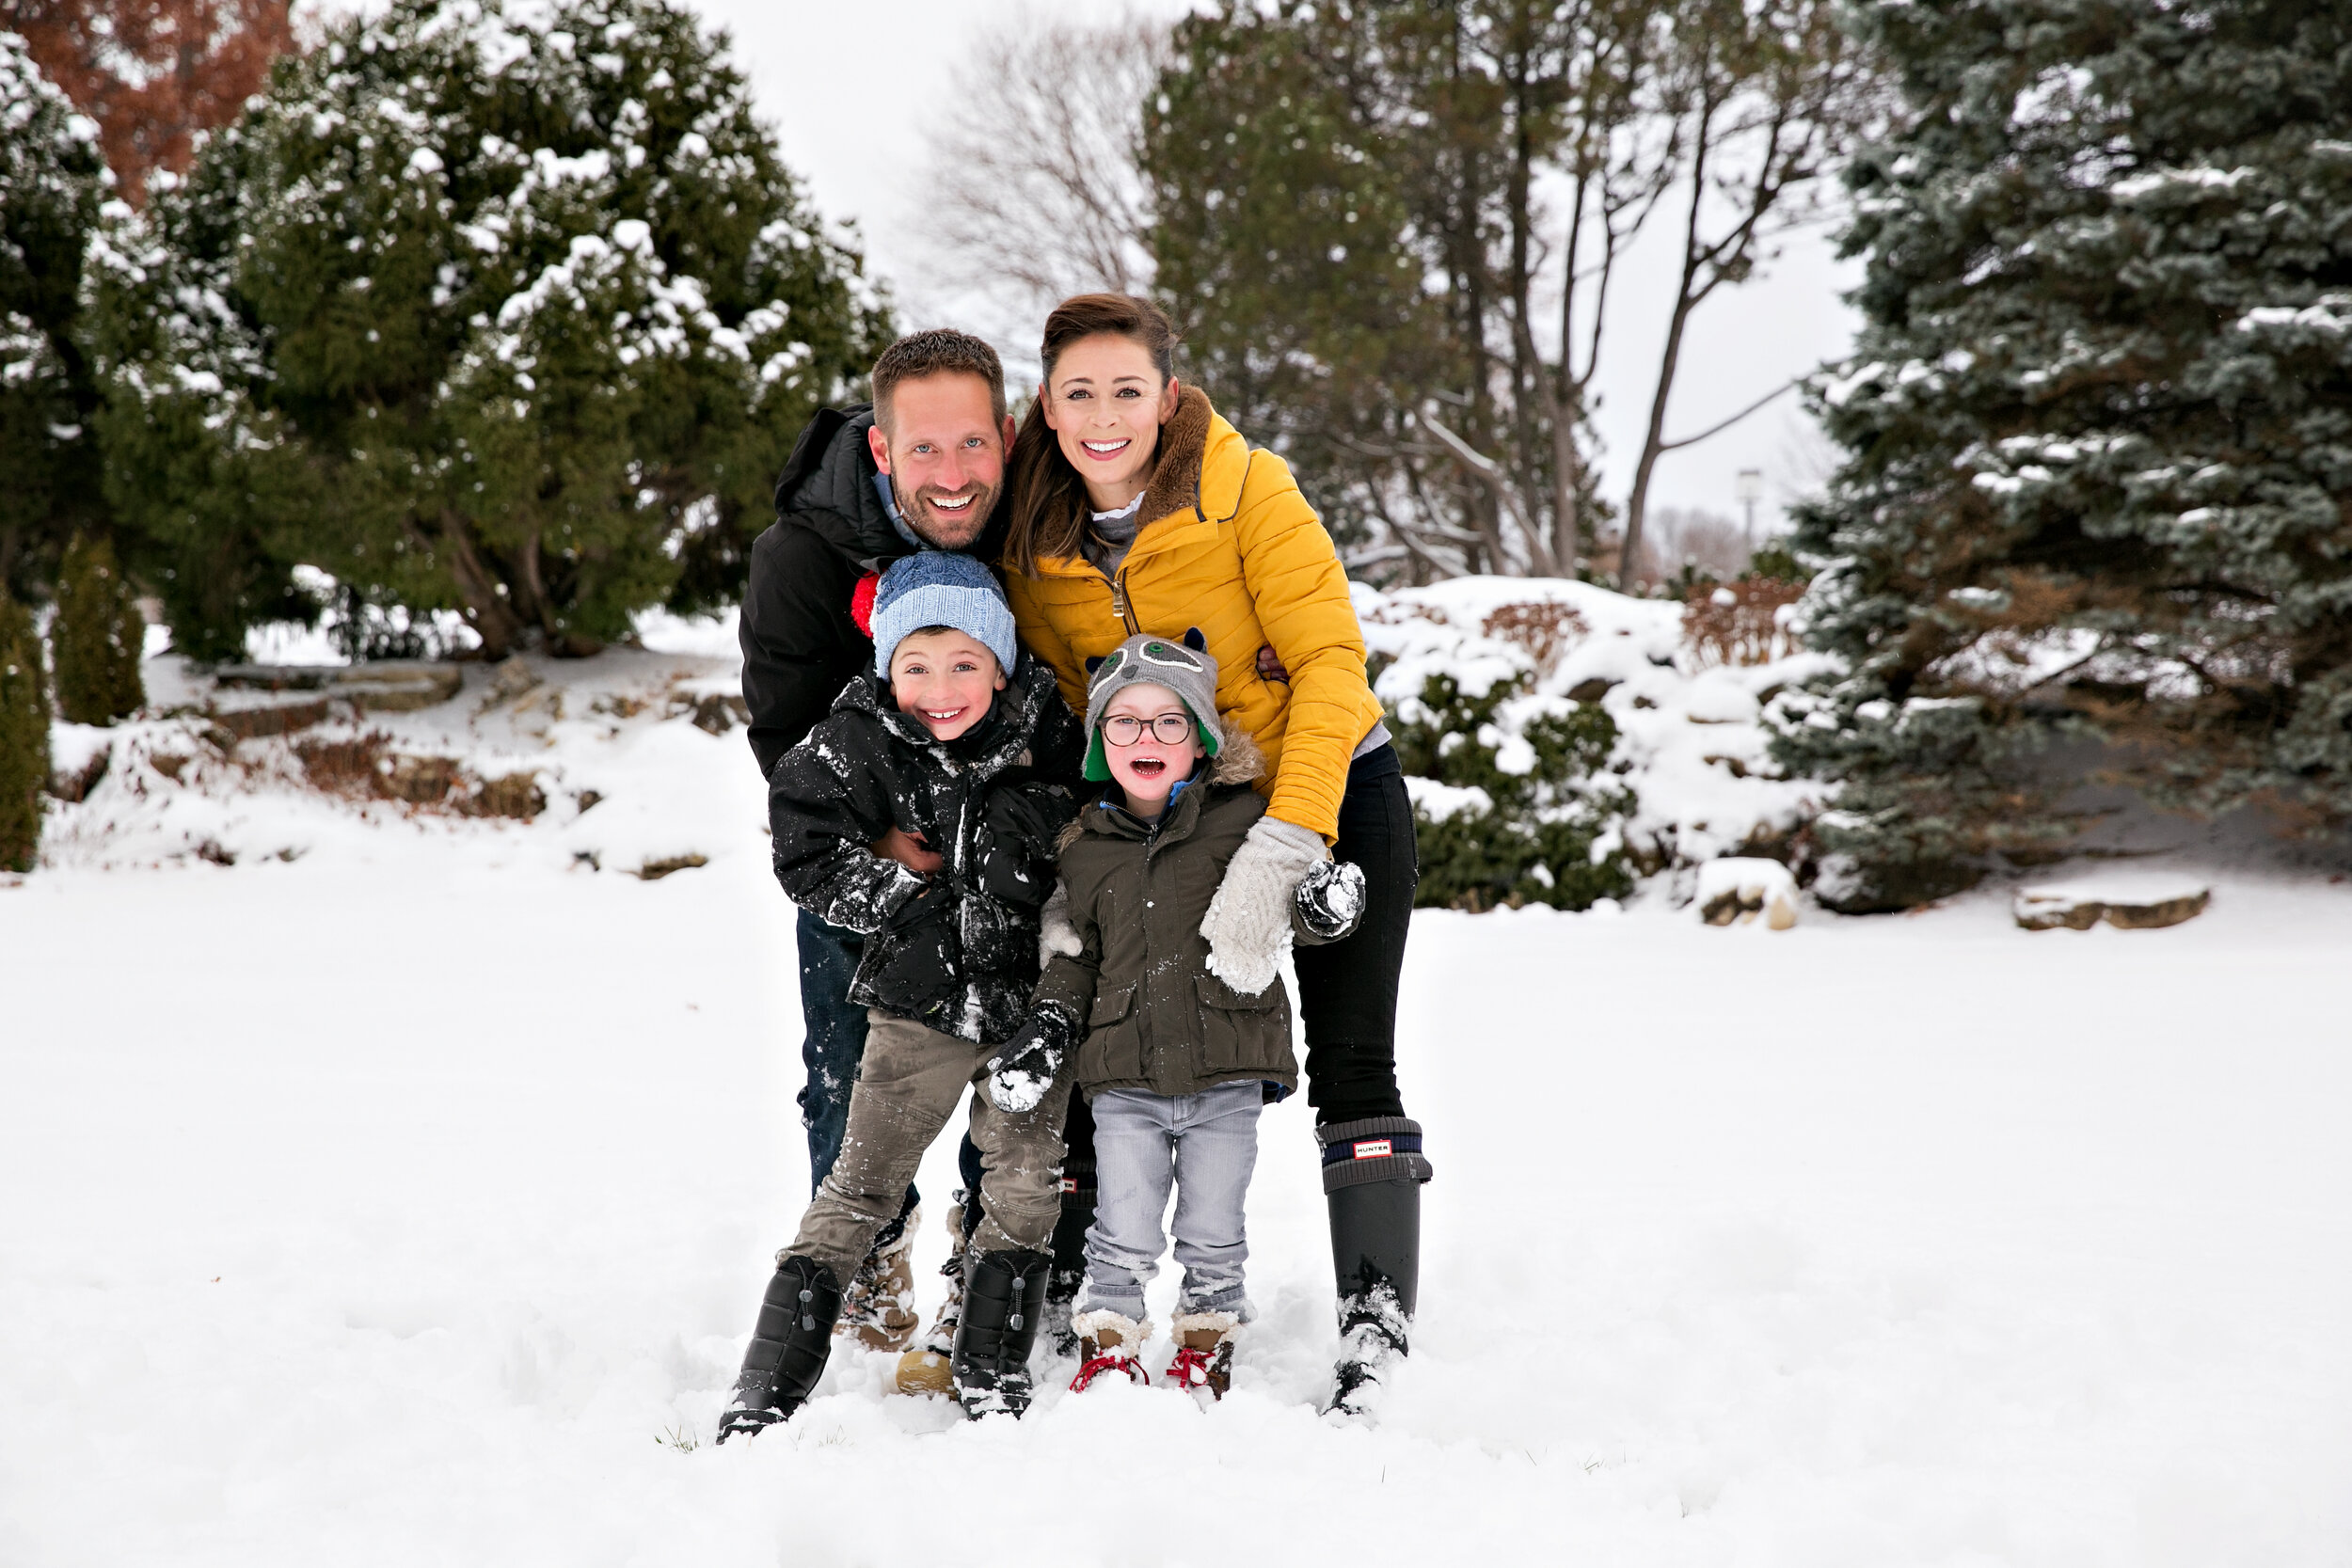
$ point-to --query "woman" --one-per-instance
(1135, 508)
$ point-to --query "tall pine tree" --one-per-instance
(2098, 427)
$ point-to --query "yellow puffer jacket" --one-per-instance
(1231, 546)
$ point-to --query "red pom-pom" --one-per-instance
(862, 603)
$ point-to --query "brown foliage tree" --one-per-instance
(153, 72)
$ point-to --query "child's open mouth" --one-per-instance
(1148, 767)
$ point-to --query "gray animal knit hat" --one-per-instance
(1183, 667)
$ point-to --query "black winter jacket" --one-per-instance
(799, 641)
(955, 950)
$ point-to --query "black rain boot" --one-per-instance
(1069, 1274)
(789, 1344)
(1003, 1296)
(1371, 1175)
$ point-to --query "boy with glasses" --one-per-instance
(1174, 1061)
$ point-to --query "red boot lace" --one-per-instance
(1190, 1368)
(1106, 1363)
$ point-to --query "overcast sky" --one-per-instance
(850, 88)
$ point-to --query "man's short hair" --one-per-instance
(937, 351)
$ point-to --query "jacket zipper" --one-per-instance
(1120, 601)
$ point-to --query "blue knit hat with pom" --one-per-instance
(942, 588)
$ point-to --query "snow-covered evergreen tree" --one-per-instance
(52, 181)
(497, 305)
(2099, 430)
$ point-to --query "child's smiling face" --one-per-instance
(946, 678)
(1152, 767)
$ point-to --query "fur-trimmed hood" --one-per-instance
(1176, 473)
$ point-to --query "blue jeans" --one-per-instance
(831, 1048)
(1205, 1146)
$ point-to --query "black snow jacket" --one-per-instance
(955, 950)
(799, 641)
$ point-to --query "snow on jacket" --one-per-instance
(955, 950)
(1230, 545)
(799, 644)
(1156, 1018)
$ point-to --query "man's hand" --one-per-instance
(1270, 666)
(909, 850)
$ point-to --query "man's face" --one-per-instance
(945, 454)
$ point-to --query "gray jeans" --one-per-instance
(1205, 1146)
(908, 1085)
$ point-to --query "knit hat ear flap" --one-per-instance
(1194, 640)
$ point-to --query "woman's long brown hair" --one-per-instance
(1049, 499)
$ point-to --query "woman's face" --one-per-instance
(1105, 403)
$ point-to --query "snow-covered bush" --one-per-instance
(1507, 810)
(52, 182)
(2099, 433)
(1558, 739)
(503, 305)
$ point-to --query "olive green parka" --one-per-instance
(1156, 1018)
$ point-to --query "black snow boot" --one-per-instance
(1371, 1175)
(1003, 1296)
(789, 1344)
(1068, 1273)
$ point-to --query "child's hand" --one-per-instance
(909, 850)
(1019, 1075)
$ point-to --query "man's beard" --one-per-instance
(946, 531)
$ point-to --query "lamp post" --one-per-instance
(1750, 490)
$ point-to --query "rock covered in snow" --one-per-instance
(2128, 900)
(1741, 887)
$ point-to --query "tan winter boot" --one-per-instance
(926, 1368)
(1107, 1342)
(878, 1308)
(1204, 1351)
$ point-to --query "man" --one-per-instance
(922, 468)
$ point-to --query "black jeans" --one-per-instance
(1347, 989)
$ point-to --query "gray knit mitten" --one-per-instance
(1248, 923)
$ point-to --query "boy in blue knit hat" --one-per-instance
(954, 738)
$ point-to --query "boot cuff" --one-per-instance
(1378, 1148)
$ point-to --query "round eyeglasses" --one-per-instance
(1169, 729)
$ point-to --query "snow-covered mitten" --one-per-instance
(1019, 1075)
(1332, 900)
(1056, 933)
(1248, 923)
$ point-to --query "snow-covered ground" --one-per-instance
(408, 1202)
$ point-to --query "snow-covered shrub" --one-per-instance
(1741, 622)
(96, 637)
(1504, 799)
(52, 181)
(1558, 739)
(2099, 433)
(502, 306)
(24, 737)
